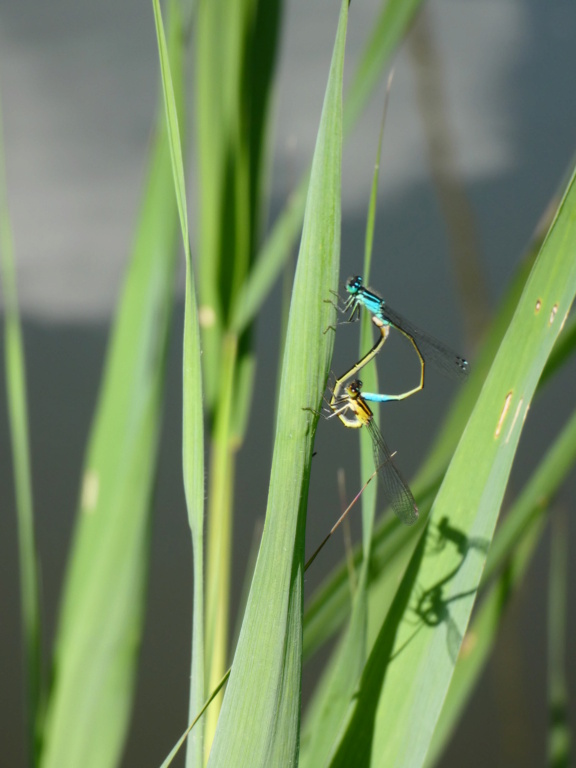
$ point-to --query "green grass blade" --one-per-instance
(171, 112)
(370, 374)
(193, 467)
(193, 430)
(102, 615)
(259, 722)
(331, 702)
(219, 544)
(236, 45)
(175, 749)
(15, 368)
(415, 658)
(559, 737)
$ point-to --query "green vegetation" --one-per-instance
(409, 651)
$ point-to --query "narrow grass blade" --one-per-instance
(15, 368)
(331, 702)
(559, 736)
(193, 429)
(415, 665)
(220, 527)
(259, 722)
(236, 45)
(102, 614)
(369, 374)
(176, 748)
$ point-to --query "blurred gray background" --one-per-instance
(79, 87)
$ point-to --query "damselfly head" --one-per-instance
(354, 388)
(353, 284)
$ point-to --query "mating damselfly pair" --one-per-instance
(350, 404)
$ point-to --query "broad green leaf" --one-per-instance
(413, 660)
(102, 615)
(259, 721)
